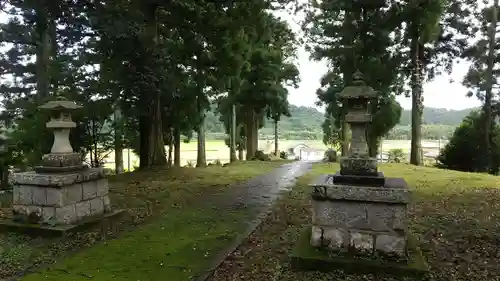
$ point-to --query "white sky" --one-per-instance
(439, 93)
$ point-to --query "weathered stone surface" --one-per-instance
(61, 159)
(394, 191)
(335, 238)
(34, 210)
(340, 214)
(25, 194)
(16, 195)
(89, 190)
(381, 216)
(19, 209)
(316, 236)
(57, 180)
(73, 193)
(39, 195)
(358, 166)
(96, 206)
(390, 244)
(82, 209)
(66, 214)
(102, 187)
(362, 242)
(400, 218)
(107, 203)
(48, 213)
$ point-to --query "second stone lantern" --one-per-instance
(357, 213)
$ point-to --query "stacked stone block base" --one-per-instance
(360, 219)
(62, 199)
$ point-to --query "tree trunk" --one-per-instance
(4, 177)
(416, 100)
(170, 149)
(486, 155)
(177, 148)
(118, 142)
(241, 155)
(201, 158)
(43, 47)
(232, 138)
(156, 145)
(276, 139)
(250, 130)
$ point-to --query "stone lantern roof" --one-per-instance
(60, 104)
(358, 89)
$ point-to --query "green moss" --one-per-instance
(178, 247)
(306, 257)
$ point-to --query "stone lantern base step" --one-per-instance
(378, 180)
(306, 257)
(106, 221)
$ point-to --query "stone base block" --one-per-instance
(61, 159)
(45, 230)
(307, 257)
(378, 180)
(359, 242)
(61, 205)
(362, 166)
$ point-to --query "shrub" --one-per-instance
(260, 155)
(283, 155)
(396, 155)
(189, 164)
(330, 155)
(465, 152)
(217, 162)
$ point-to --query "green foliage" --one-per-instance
(283, 155)
(463, 151)
(396, 155)
(261, 156)
(330, 155)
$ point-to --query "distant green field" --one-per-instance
(217, 150)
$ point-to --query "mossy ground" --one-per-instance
(454, 216)
(172, 230)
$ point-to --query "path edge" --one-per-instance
(237, 242)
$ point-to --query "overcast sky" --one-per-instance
(438, 93)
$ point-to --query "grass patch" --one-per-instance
(187, 226)
(454, 216)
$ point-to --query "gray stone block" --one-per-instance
(73, 193)
(339, 214)
(400, 218)
(39, 195)
(89, 190)
(362, 242)
(102, 187)
(391, 244)
(48, 213)
(66, 214)
(55, 197)
(316, 236)
(96, 206)
(107, 204)
(395, 191)
(381, 216)
(57, 180)
(335, 238)
(16, 195)
(82, 209)
(20, 209)
(25, 195)
(34, 210)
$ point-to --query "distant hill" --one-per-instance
(310, 119)
(439, 116)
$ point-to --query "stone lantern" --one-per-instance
(62, 193)
(359, 217)
(61, 158)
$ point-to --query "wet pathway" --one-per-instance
(259, 194)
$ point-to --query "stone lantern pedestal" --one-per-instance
(359, 217)
(62, 193)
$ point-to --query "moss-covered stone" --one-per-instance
(306, 257)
